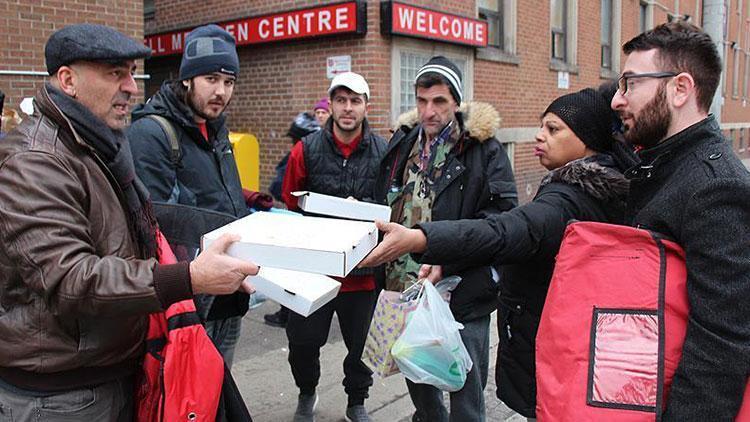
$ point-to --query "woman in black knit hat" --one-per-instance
(585, 183)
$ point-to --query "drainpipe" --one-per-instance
(714, 14)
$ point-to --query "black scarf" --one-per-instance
(113, 148)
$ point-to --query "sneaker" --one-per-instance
(306, 405)
(357, 413)
(277, 319)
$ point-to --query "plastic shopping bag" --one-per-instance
(430, 350)
(388, 321)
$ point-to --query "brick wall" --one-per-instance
(25, 26)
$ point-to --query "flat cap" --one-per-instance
(96, 43)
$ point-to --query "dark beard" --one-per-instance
(344, 130)
(190, 96)
(652, 123)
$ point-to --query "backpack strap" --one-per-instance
(171, 133)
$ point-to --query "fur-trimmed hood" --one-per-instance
(481, 120)
(596, 175)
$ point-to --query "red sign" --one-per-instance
(412, 21)
(334, 19)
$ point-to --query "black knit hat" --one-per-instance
(587, 113)
(447, 70)
(209, 49)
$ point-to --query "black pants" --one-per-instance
(307, 335)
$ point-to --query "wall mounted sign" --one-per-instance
(411, 21)
(348, 17)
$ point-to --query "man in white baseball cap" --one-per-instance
(341, 160)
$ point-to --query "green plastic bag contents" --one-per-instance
(430, 350)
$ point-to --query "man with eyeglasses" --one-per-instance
(341, 160)
(691, 187)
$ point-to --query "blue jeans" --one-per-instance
(110, 402)
(225, 333)
(467, 404)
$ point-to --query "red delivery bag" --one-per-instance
(612, 327)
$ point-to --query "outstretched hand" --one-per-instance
(397, 241)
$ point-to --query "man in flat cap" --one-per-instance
(196, 166)
(78, 251)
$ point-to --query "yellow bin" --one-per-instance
(247, 156)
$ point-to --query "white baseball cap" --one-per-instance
(354, 81)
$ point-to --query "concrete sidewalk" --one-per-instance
(262, 374)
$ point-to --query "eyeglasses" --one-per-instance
(622, 83)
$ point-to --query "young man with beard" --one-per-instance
(340, 160)
(78, 247)
(200, 170)
(444, 163)
(692, 188)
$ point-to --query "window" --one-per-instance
(559, 28)
(501, 23)
(563, 35)
(410, 64)
(646, 16)
(606, 34)
(149, 9)
(493, 12)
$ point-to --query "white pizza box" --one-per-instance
(334, 206)
(309, 244)
(303, 293)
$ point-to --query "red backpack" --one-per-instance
(182, 371)
(612, 327)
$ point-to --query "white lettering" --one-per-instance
(159, 47)
(444, 31)
(342, 18)
(421, 17)
(468, 30)
(405, 18)
(278, 26)
(230, 28)
(293, 25)
(242, 30)
(263, 32)
(480, 33)
(308, 21)
(324, 20)
(177, 41)
(431, 25)
(456, 29)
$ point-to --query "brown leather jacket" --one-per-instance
(74, 298)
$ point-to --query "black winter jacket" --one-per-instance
(206, 176)
(693, 188)
(330, 173)
(525, 241)
(478, 181)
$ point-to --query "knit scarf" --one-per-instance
(112, 147)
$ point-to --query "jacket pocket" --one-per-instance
(519, 326)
